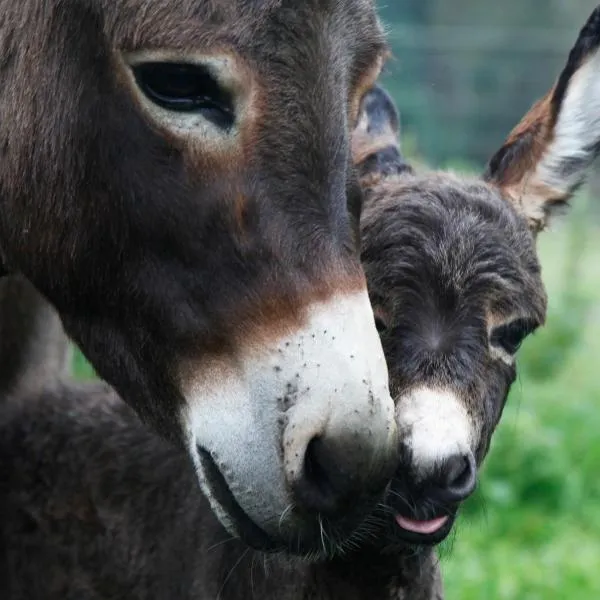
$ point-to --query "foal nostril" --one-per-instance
(325, 485)
(458, 477)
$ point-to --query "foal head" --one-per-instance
(175, 177)
(455, 280)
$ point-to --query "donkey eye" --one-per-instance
(186, 88)
(510, 336)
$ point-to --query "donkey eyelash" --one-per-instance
(185, 88)
(510, 336)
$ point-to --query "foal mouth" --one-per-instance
(424, 531)
(419, 520)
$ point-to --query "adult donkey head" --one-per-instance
(175, 178)
(456, 283)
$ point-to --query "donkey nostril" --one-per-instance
(457, 471)
(315, 470)
(458, 477)
(324, 484)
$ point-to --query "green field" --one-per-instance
(533, 531)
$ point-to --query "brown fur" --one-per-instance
(79, 117)
(165, 252)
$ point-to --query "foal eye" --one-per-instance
(381, 326)
(510, 336)
(381, 318)
(186, 88)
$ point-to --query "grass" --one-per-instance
(533, 530)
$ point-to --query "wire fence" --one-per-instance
(461, 89)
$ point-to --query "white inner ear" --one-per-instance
(576, 132)
(189, 123)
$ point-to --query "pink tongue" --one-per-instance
(423, 527)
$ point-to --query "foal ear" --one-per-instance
(375, 141)
(547, 156)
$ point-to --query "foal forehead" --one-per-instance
(196, 24)
(459, 233)
(447, 206)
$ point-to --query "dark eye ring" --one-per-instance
(510, 336)
(380, 325)
(186, 88)
(381, 318)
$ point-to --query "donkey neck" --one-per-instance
(34, 349)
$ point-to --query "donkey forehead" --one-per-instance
(245, 24)
(443, 234)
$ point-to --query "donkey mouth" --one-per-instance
(248, 531)
(307, 542)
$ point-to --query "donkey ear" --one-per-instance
(375, 140)
(547, 156)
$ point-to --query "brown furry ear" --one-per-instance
(547, 156)
(375, 140)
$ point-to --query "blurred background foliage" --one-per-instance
(464, 72)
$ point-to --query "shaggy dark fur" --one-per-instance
(441, 253)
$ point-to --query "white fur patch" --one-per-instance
(257, 412)
(434, 425)
(577, 129)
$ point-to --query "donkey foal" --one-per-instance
(455, 281)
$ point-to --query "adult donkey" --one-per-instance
(175, 178)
